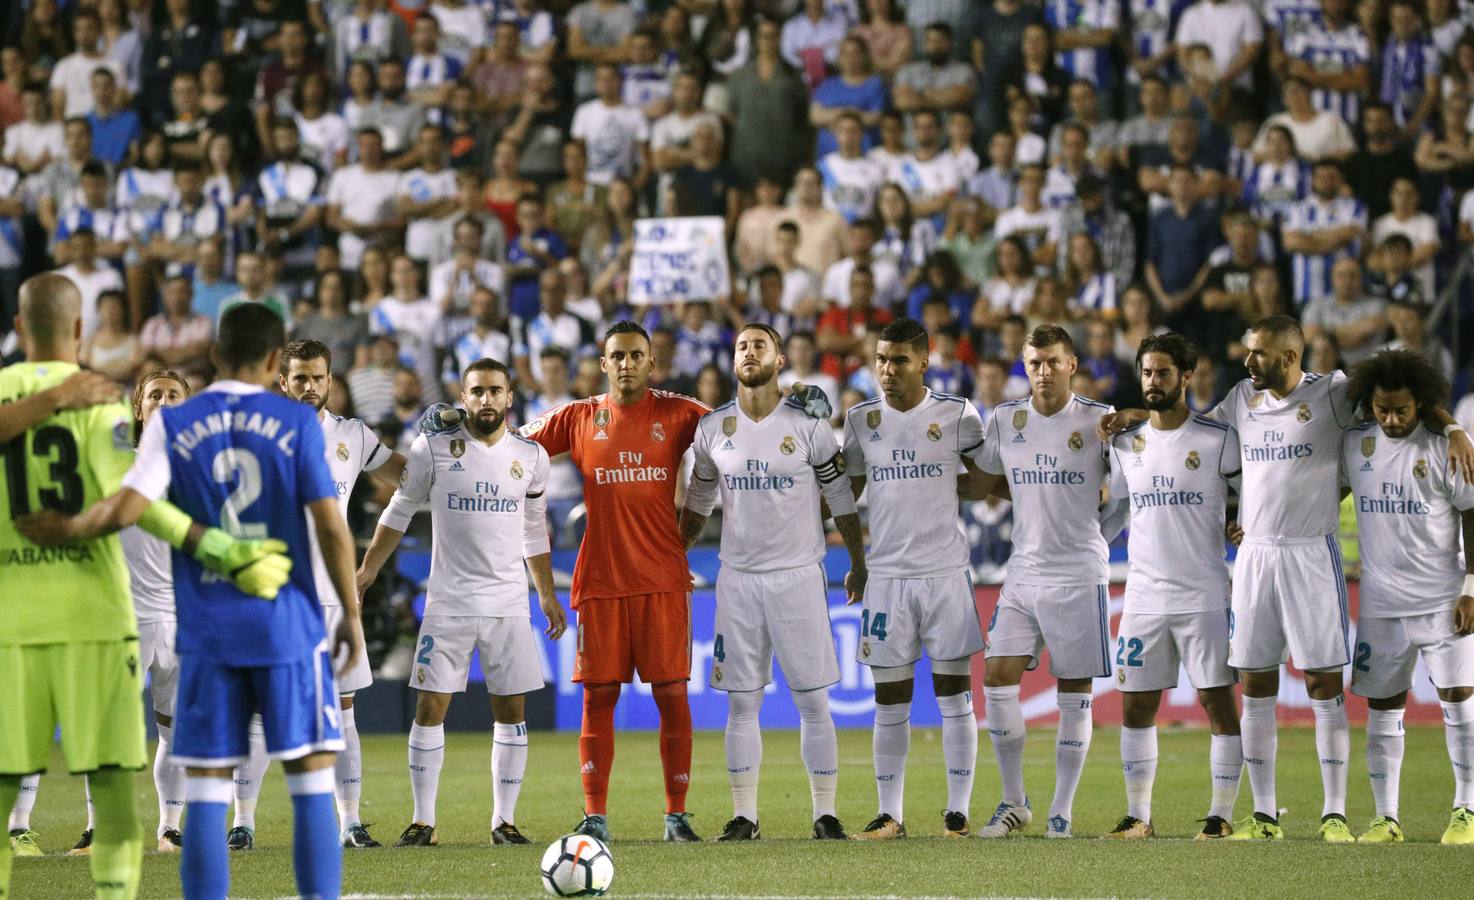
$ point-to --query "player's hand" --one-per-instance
(557, 619)
(362, 581)
(1112, 424)
(258, 568)
(84, 388)
(810, 400)
(1464, 616)
(442, 418)
(854, 585)
(348, 643)
(1234, 532)
(47, 528)
(1461, 454)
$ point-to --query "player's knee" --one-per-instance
(1139, 708)
(1325, 684)
(668, 692)
(1396, 701)
(430, 708)
(1455, 695)
(1265, 683)
(1004, 671)
(345, 701)
(1223, 714)
(509, 710)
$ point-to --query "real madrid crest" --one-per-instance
(1256, 400)
(1302, 415)
(1420, 469)
(872, 419)
(1076, 441)
(1192, 460)
(1138, 443)
(1120, 676)
(517, 469)
(716, 674)
(839, 463)
(934, 432)
(457, 448)
(864, 649)
(729, 425)
(419, 676)
(657, 432)
(342, 452)
(1369, 445)
(1020, 416)
(788, 446)
(601, 417)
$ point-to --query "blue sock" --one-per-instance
(204, 870)
(316, 851)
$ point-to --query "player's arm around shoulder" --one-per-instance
(81, 389)
(413, 491)
(701, 492)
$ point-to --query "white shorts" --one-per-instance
(1151, 647)
(1387, 651)
(784, 612)
(361, 675)
(1289, 603)
(156, 655)
(902, 617)
(1072, 622)
(509, 657)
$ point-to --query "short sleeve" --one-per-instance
(414, 486)
(1227, 410)
(553, 430)
(374, 454)
(1117, 483)
(970, 433)
(542, 469)
(1460, 491)
(314, 479)
(150, 474)
(335, 187)
(989, 459)
(109, 445)
(854, 454)
(1340, 397)
(702, 465)
(1230, 459)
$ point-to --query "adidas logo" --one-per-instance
(726, 445)
(1366, 466)
(457, 467)
(588, 768)
(874, 437)
(1019, 438)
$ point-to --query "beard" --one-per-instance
(762, 376)
(1167, 400)
(486, 421)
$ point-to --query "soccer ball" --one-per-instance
(577, 865)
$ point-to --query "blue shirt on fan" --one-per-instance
(248, 462)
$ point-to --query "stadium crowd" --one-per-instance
(422, 184)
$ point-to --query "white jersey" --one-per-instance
(1054, 466)
(1408, 516)
(151, 571)
(487, 514)
(923, 179)
(769, 474)
(1175, 486)
(1291, 448)
(910, 461)
(850, 185)
(421, 186)
(350, 447)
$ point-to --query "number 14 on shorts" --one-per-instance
(872, 625)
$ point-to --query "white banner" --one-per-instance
(679, 259)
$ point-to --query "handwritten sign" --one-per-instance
(679, 259)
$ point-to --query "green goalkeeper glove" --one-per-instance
(258, 568)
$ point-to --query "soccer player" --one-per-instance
(770, 463)
(1289, 589)
(484, 487)
(1414, 517)
(905, 448)
(352, 448)
(1054, 596)
(252, 461)
(1169, 479)
(69, 651)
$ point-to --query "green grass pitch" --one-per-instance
(786, 864)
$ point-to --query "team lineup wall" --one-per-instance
(853, 699)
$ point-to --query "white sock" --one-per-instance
(248, 777)
(168, 783)
(91, 813)
(1005, 717)
(426, 756)
(819, 747)
(1332, 746)
(1226, 764)
(1384, 758)
(891, 745)
(959, 748)
(744, 751)
(1139, 768)
(316, 781)
(1260, 738)
(349, 771)
(1458, 732)
(1071, 746)
(25, 801)
(508, 765)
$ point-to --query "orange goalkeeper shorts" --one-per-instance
(618, 636)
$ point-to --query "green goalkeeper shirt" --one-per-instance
(71, 460)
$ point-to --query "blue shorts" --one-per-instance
(298, 703)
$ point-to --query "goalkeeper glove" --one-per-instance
(810, 400)
(442, 418)
(257, 568)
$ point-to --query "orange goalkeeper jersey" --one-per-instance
(630, 457)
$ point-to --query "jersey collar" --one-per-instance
(234, 387)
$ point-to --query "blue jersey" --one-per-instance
(248, 462)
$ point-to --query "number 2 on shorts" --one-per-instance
(427, 643)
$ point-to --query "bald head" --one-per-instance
(50, 311)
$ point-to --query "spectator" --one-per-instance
(941, 280)
(1137, 323)
(850, 178)
(996, 187)
(90, 278)
(765, 301)
(185, 127)
(180, 41)
(110, 225)
(539, 31)
(946, 372)
(1420, 229)
(1180, 239)
(646, 78)
(996, 36)
(331, 322)
(536, 249)
(394, 115)
(71, 79)
(538, 129)
(290, 201)
(486, 338)
(413, 319)
(255, 286)
(727, 39)
(425, 194)
(802, 354)
(887, 39)
(1011, 289)
(769, 110)
(670, 137)
(1036, 224)
(606, 248)
(1114, 380)
(1333, 56)
(800, 283)
(1278, 181)
(1033, 76)
(938, 81)
(360, 200)
(709, 182)
(35, 141)
(701, 341)
(1357, 322)
(1151, 127)
(598, 31)
(564, 491)
(929, 175)
(190, 220)
(373, 382)
(712, 385)
(1443, 155)
(1203, 395)
(111, 349)
(1111, 228)
(989, 376)
(121, 42)
(1074, 164)
(368, 33)
(1389, 273)
(970, 240)
(821, 229)
(617, 136)
(145, 188)
(115, 129)
(463, 29)
(1410, 68)
(56, 184)
(177, 337)
(1233, 32)
(499, 80)
(469, 134)
(1322, 228)
(550, 326)
(409, 403)
(12, 241)
(1083, 105)
(840, 334)
(1184, 148)
(1092, 287)
(1318, 135)
(1411, 333)
(921, 14)
(430, 73)
(1228, 299)
(855, 91)
(209, 287)
(960, 137)
(811, 38)
(1382, 159)
(1083, 35)
(753, 245)
(454, 281)
(892, 147)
